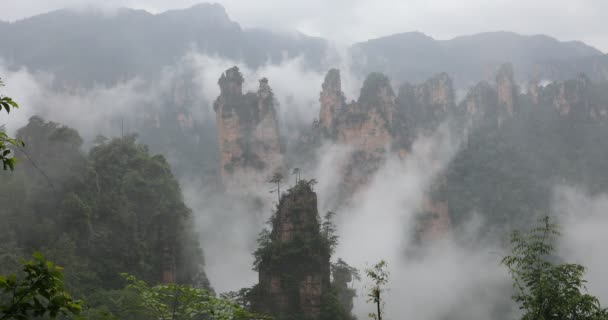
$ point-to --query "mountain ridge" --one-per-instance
(82, 46)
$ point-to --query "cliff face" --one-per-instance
(332, 101)
(434, 216)
(576, 98)
(248, 132)
(507, 91)
(365, 124)
(294, 268)
(425, 106)
(379, 123)
(490, 105)
(533, 92)
(572, 97)
(480, 103)
(429, 100)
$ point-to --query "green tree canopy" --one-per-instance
(37, 291)
(6, 156)
(545, 289)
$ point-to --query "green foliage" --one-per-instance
(546, 290)
(373, 85)
(295, 254)
(309, 247)
(37, 292)
(140, 220)
(342, 275)
(177, 302)
(8, 161)
(241, 297)
(379, 276)
(297, 173)
(117, 209)
(277, 178)
(328, 231)
(508, 172)
(332, 308)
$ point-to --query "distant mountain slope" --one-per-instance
(415, 56)
(91, 46)
(103, 47)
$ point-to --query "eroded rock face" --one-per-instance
(365, 125)
(490, 105)
(379, 123)
(575, 98)
(533, 92)
(293, 277)
(571, 98)
(507, 91)
(332, 101)
(248, 132)
(480, 104)
(434, 219)
(425, 106)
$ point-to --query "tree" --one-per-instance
(296, 172)
(8, 160)
(277, 178)
(343, 274)
(379, 275)
(329, 230)
(546, 290)
(175, 302)
(38, 292)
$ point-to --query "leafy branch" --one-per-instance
(6, 155)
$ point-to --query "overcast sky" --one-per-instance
(356, 20)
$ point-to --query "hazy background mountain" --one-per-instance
(415, 56)
(94, 45)
(98, 46)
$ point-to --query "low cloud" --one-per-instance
(453, 278)
(583, 219)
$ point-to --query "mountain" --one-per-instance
(415, 56)
(95, 46)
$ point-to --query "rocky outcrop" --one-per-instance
(576, 98)
(294, 268)
(248, 132)
(365, 125)
(379, 123)
(423, 107)
(507, 92)
(332, 101)
(480, 104)
(491, 105)
(533, 92)
(572, 97)
(434, 216)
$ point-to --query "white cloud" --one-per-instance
(583, 219)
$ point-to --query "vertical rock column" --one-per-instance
(248, 133)
(294, 272)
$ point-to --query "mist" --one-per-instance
(582, 217)
(453, 277)
(457, 277)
